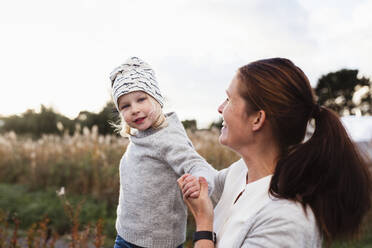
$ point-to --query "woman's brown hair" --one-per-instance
(327, 172)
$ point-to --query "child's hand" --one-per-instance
(191, 186)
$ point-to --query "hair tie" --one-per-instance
(315, 111)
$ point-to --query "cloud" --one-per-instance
(342, 31)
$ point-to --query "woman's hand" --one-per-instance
(201, 207)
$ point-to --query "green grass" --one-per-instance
(33, 206)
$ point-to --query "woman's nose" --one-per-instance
(220, 108)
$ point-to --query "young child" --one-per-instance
(151, 211)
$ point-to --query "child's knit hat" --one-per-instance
(134, 75)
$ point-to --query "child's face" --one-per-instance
(138, 109)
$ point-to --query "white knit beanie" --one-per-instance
(134, 75)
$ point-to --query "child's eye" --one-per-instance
(141, 99)
(124, 106)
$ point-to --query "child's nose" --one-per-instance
(135, 109)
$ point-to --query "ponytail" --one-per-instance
(329, 174)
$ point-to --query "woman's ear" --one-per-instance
(258, 120)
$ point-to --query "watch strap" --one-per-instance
(204, 235)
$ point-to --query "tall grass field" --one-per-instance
(62, 191)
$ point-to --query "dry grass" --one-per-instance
(85, 163)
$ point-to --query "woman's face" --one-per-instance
(236, 131)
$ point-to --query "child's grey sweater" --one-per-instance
(151, 212)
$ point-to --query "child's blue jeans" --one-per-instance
(121, 243)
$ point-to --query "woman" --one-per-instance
(284, 192)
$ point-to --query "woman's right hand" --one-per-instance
(201, 207)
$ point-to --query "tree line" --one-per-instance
(343, 91)
(48, 121)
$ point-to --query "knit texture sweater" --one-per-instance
(151, 211)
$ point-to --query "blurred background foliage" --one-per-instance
(48, 121)
(345, 92)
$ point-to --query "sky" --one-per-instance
(60, 53)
